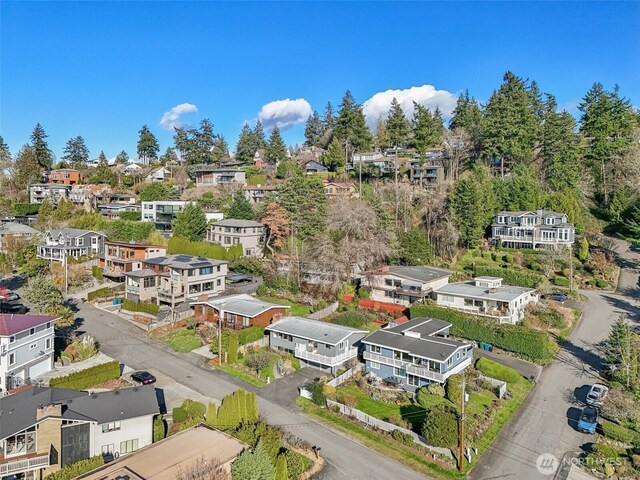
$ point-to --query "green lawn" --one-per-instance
(296, 310)
(258, 382)
(182, 340)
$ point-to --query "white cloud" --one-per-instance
(427, 95)
(171, 118)
(285, 113)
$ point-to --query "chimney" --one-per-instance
(49, 411)
(492, 290)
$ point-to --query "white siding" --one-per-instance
(140, 428)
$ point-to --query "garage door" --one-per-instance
(40, 368)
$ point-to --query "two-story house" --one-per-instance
(65, 176)
(428, 170)
(26, 348)
(90, 196)
(122, 199)
(322, 345)
(415, 353)
(258, 193)
(230, 232)
(487, 297)
(239, 311)
(174, 279)
(342, 191)
(43, 429)
(53, 192)
(162, 212)
(112, 211)
(12, 233)
(373, 159)
(122, 257)
(311, 166)
(404, 285)
(70, 242)
(539, 229)
(207, 176)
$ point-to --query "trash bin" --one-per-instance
(482, 344)
(487, 347)
(115, 301)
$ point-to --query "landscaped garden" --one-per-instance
(183, 340)
(296, 310)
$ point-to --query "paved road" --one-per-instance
(546, 422)
(346, 459)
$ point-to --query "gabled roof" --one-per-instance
(71, 232)
(11, 324)
(19, 411)
(315, 330)
(242, 304)
(17, 229)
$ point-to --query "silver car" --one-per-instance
(597, 394)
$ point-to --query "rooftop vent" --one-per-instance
(492, 290)
(412, 334)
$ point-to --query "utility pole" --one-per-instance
(66, 272)
(220, 315)
(461, 422)
(570, 267)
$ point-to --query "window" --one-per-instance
(374, 349)
(80, 242)
(341, 345)
(110, 427)
(48, 325)
(450, 361)
(464, 353)
(388, 282)
(12, 359)
(398, 372)
(47, 344)
(32, 331)
(447, 298)
(236, 240)
(206, 286)
(129, 446)
(206, 271)
(458, 356)
(196, 288)
(12, 339)
(21, 444)
(227, 240)
(375, 365)
(149, 282)
(108, 449)
(468, 302)
(413, 380)
(33, 346)
(218, 282)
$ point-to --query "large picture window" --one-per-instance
(21, 444)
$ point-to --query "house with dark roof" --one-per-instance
(26, 348)
(322, 345)
(70, 242)
(231, 231)
(122, 257)
(532, 229)
(174, 279)
(415, 353)
(43, 429)
(239, 311)
(404, 285)
(311, 166)
(487, 297)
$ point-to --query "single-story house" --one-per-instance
(239, 311)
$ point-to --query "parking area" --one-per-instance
(284, 391)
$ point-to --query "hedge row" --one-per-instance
(526, 342)
(97, 272)
(151, 308)
(100, 293)
(178, 245)
(510, 276)
(250, 334)
(76, 469)
(617, 432)
(88, 377)
(23, 209)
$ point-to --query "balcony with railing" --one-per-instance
(332, 361)
(23, 463)
(418, 370)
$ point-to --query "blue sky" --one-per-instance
(103, 69)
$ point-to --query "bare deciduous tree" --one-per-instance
(458, 144)
(203, 469)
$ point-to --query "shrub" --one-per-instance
(179, 415)
(486, 255)
(402, 437)
(296, 464)
(97, 273)
(496, 370)
(151, 308)
(616, 432)
(23, 209)
(194, 408)
(76, 469)
(233, 349)
(178, 245)
(601, 283)
(317, 392)
(397, 420)
(561, 281)
(534, 345)
(159, 430)
(250, 334)
(510, 276)
(593, 282)
(535, 266)
(88, 377)
(508, 258)
(329, 391)
(453, 389)
(440, 426)
(132, 216)
(350, 319)
(100, 293)
(436, 389)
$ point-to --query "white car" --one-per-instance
(596, 394)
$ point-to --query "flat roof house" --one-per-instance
(112, 211)
(65, 176)
(26, 349)
(415, 353)
(44, 429)
(404, 285)
(53, 192)
(70, 242)
(122, 257)
(317, 344)
(539, 229)
(239, 311)
(211, 176)
(162, 213)
(487, 297)
(231, 231)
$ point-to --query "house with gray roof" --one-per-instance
(415, 353)
(535, 230)
(239, 311)
(43, 429)
(13, 231)
(70, 242)
(487, 297)
(231, 231)
(317, 344)
(404, 285)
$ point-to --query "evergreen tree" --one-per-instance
(351, 127)
(333, 158)
(276, 150)
(169, 156)
(122, 158)
(313, 130)
(427, 128)
(304, 200)
(44, 156)
(148, 147)
(240, 208)
(246, 147)
(511, 122)
(202, 143)
(157, 191)
(76, 153)
(220, 150)
(26, 169)
(328, 119)
(259, 137)
(397, 125)
(415, 248)
(622, 353)
(233, 350)
(281, 468)
(103, 161)
(190, 223)
(182, 142)
(560, 148)
(468, 115)
(42, 293)
(288, 168)
(381, 138)
(520, 191)
(45, 215)
(253, 466)
(5, 157)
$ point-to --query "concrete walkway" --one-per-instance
(526, 369)
(57, 372)
(204, 351)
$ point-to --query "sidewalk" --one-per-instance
(524, 368)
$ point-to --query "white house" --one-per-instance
(539, 229)
(404, 285)
(158, 175)
(162, 212)
(487, 297)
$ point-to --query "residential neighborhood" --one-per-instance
(231, 253)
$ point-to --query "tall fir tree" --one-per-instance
(313, 130)
(122, 158)
(350, 126)
(427, 128)
(328, 119)
(169, 156)
(240, 208)
(246, 146)
(26, 168)
(203, 141)
(103, 162)
(276, 149)
(381, 138)
(468, 115)
(44, 156)
(76, 153)
(397, 125)
(5, 156)
(148, 147)
(220, 150)
(304, 200)
(259, 137)
(190, 223)
(333, 158)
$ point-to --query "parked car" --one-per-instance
(16, 309)
(596, 394)
(10, 296)
(557, 296)
(588, 420)
(145, 378)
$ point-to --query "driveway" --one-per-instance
(546, 422)
(284, 391)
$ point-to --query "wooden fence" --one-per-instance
(325, 312)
